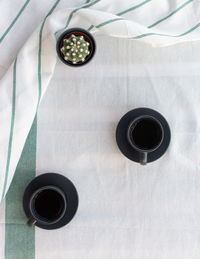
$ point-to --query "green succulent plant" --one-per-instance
(75, 49)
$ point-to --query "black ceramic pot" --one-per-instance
(77, 32)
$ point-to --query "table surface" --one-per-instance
(126, 210)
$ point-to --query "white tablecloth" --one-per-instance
(126, 210)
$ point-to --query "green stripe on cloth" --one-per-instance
(166, 35)
(150, 26)
(133, 7)
(77, 9)
(120, 13)
(110, 21)
(106, 22)
(14, 20)
(19, 238)
(11, 129)
(172, 13)
(40, 49)
(91, 27)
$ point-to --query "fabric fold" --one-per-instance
(27, 79)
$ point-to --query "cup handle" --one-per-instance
(143, 158)
(31, 222)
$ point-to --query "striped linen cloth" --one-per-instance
(126, 211)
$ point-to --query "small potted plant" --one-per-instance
(76, 47)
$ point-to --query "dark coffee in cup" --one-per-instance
(145, 134)
(47, 205)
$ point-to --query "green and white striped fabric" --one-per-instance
(126, 211)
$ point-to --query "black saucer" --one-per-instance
(65, 185)
(121, 135)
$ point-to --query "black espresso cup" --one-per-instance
(47, 205)
(145, 134)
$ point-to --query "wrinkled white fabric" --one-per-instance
(126, 211)
(28, 73)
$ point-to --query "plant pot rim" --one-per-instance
(89, 38)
